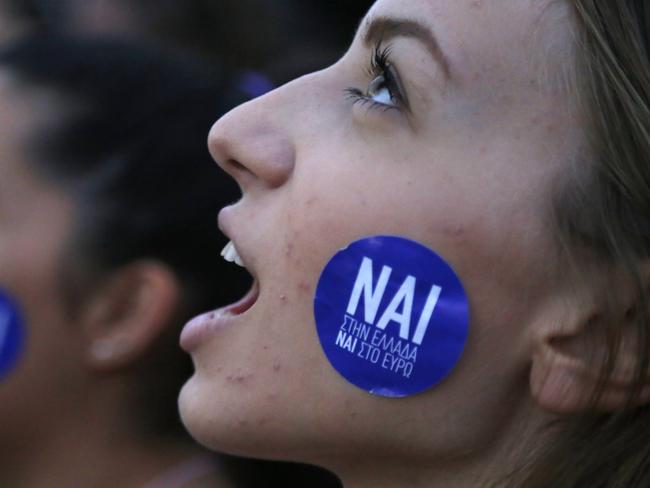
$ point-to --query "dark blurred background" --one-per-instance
(282, 38)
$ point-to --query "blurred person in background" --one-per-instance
(108, 203)
(107, 236)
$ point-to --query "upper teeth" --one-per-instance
(230, 254)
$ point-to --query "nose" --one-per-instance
(253, 146)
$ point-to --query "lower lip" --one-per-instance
(200, 328)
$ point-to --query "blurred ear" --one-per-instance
(124, 318)
(573, 346)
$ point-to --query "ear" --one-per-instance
(572, 349)
(124, 317)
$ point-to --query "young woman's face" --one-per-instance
(35, 224)
(458, 147)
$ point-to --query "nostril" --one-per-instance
(237, 166)
(240, 172)
(252, 154)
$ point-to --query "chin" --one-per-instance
(223, 421)
(194, 414)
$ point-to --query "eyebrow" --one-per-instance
(383, 29)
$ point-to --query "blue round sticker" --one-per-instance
(391, 315)
(11, 334)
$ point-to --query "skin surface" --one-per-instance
(469, 172)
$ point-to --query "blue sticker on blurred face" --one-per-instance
(392, 316)
(11, 334)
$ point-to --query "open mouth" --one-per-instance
(231, 255)
(246, 303)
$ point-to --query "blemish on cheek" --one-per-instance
(303, 287)
(283, 299)
(277, 366)
(288, 250)
(239, 378)
(454, 231)
(476, 4)
(266, 348)
(243, 423)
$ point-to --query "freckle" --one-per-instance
(219, 369)
(266, 348)
(243, 378)
(238, 378)
(243, 423)
(283, 299)
(211, 316)
(289, 250)
(455, 231)
(276, 366)
(354, 415)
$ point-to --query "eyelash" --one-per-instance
(380, 66)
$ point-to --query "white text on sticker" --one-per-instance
(403, 299)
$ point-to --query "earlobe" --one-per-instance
(125, 317)
(111, 350)
(571, 370)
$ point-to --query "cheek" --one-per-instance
(499, 246)
(29, 268)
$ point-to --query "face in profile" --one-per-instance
(36, 221)
(445, 123)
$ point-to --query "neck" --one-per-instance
(483, 465)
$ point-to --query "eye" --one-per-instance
(385, 89)
(380, 92)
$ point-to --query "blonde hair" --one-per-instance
(605, 210)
